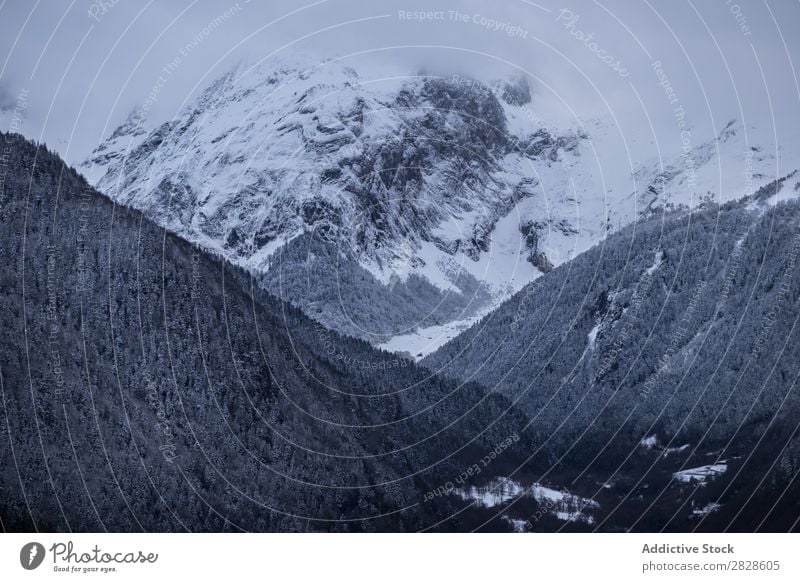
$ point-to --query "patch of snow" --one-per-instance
(592, 336)
(708, 508)
(439, 268)
(574, 516)
(517, 525)
(504, 267)
(649, 442)
(656, 264)
(700, 474)
(427, 340)
(782, 195)
(495, 493)
(672, 450)
(564, 505)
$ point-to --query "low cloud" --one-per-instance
(88, 66)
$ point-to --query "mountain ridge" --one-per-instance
(449, 189)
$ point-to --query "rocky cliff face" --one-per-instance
(444, 188)
(406, 178)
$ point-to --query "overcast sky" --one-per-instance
(80, 67)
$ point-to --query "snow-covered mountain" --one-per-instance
(402, 209)
(655, 396)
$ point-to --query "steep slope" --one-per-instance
(644, 309)
(660, 360)
(148, 385)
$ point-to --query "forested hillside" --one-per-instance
(690, 318)
(147, 385)
(672, 344)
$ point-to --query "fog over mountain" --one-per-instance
(87, 68)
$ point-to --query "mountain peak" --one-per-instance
(446, 183)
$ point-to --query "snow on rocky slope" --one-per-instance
(457, 185)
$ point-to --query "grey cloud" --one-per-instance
(87, 68)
